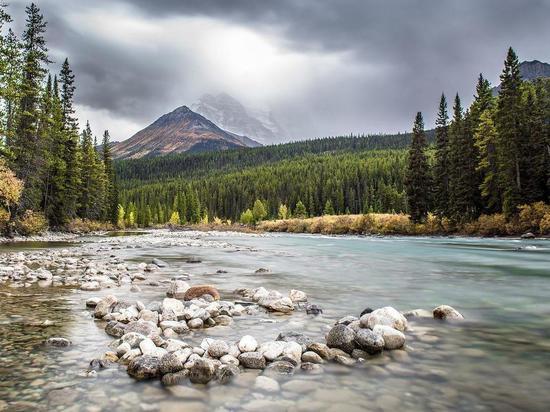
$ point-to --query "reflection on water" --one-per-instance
(497, 360)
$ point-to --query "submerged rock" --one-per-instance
(445, 312)
(313, 309)
(59, 342)
(175, 378)
(297, 296)
(226, 373)
(202, 371)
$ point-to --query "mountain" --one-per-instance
(530, 70)
(181, 130)
(231, 115)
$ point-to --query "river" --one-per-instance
(498, 359)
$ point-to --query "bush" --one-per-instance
(247, 217)
(530, 216)
(545, 225)
(31, 223)
(87, 226)
(488, 225)
(4, 220)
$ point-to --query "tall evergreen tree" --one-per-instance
(508, 125)
(441, 164)
(10, 83)
(111, 203)
(486, 138)
(26, 145)
(417, 181)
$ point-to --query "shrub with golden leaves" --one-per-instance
(31, 223)
(10, 186)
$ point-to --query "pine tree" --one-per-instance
(120, 216)
(486, 137)
(508, 127)
(300, 210)
(26, 145)
(282, 213)
(10, 83)
(418, 174)
(111, 201)
(328, 210)
(441, 164)
(86, 173)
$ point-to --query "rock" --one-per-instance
(171, 305)
(280, 367)
(528, 235)
(226, 373)
(175, 378)
(344, 360)
(272, 350)
(92, 302)
(132, 338)
(248, 344)
(90, 286)
(178, 327)
(266, 384)
(262, 270)
(360, 354)
(149, 315)
(445, 312)
(312, 357)
(313, 309)
(393, 339)
(297, 296)
(229, 360)
(292, 336)
(123, 348)
(346, 320)
(97, 364)
(218, 348)
(58, 342)
(159, 263)
(129, 356)
(145, 328)
(341, 337)
(173, 362)
(135, 289)
(369, 341)
(147, 346)
(311, 368)
(293, 350)
(177, 289)
(195, 323)
(418, 313)
(365, 311)
(114, 328)
(197, 291)
(252, 360)
(144, 367)
(275, 303)
(320, 349)
(223, 320)
(202, 371)
(386, 316)
(104, 306)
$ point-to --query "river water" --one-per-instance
(498, 359)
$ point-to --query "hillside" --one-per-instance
(193, 165)
(181, 130)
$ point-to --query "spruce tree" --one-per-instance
(300, 210)
(10, 83)
(26, 145)
(417, 181)
(441, 164)
(486, 138)
(328, 210)
(508, 125)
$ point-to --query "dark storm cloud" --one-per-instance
(400, 54)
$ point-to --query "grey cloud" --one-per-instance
(418, 48)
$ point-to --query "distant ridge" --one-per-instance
(530, 70)
(181, 130)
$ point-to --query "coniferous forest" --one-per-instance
(490, 158)
(52, 173)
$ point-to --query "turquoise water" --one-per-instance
(499, 359)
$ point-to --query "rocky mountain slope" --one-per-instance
(181, 130)
(231, 115)
(530, 70)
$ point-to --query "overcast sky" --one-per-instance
(324, 67)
